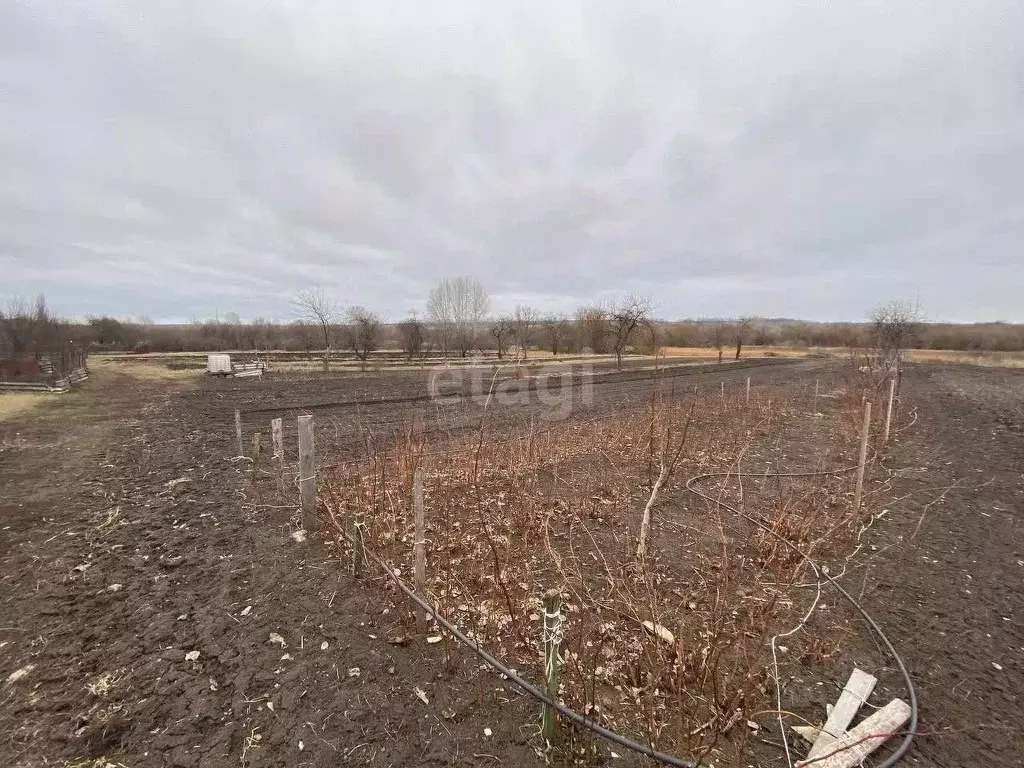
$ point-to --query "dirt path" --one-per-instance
(949, 592)
(140, 587)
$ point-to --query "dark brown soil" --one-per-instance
(183, 567)
(131, 539)
(949, 590)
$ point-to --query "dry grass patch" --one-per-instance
(729, 352)
(151, 371)
(17, 403)
(992, 359)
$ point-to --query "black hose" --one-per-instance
(525, 685)
(635, 746)
(908, 683)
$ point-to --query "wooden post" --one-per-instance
(888, 410)
(723, 390)
(357, 545)
(748, 390)
(552, 638)
(419, 546)
(255, 453)
(277, 438)
(238, 431)
(307, 472)
(865, 428)
(814, 409)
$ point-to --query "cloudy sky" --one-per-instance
(177, 158)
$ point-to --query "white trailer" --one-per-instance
(221, 365)
(218, 365)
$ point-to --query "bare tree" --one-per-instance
(457, 307)
(413, 336)
(111, 333)
(524, 326)
(764, 334)
(314, 306)
(503, 331)
(362, 332)
(717, 333)
(630, 314)
(556, 332)
(592, 325)
(28, 328)
(740, 330)
(651, 340)
(304, 337)
(893, 327)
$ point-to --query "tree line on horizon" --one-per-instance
(458, 322)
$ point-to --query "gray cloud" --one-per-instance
(168, 159)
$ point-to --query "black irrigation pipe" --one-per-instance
(525, 685)
(598, 379)
(471, 448)
(908, 683)
(628, 743)
(475, 426)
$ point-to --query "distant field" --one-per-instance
(998, 359)
(748, 351)
(184, 365)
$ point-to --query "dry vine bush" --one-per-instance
(513, 513)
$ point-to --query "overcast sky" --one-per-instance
(802, 159)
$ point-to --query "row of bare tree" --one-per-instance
(458, 322)
(29, 327)
(458, 314)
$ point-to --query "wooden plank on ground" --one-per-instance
(859, 742)
(858, 688)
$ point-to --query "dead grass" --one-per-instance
(748, 352)
(989, 359)
(150, 371)
(17, 403)
(103, 684)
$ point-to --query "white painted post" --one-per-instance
(419, 546)
(277, 438)
(865, 428)
(748, 390)
(815, 408)
(307, 472)
(888, 411)
(723, 390)
(238, 431)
